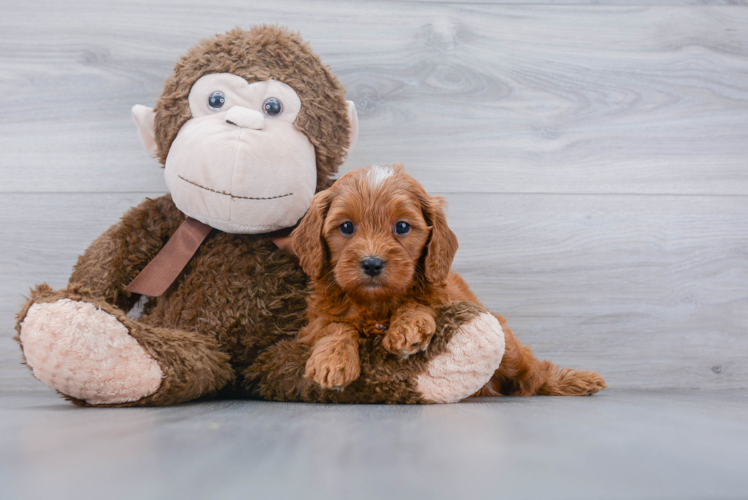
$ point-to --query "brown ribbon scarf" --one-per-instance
(165, 267)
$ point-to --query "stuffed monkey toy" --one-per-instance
(249, 126)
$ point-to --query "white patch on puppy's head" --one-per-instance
(377, 175)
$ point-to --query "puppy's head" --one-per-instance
(377, 231)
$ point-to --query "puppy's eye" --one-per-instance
(402, 228)
(272, 106)
(347, 228)
(216, 100)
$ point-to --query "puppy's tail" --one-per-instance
(522, 374)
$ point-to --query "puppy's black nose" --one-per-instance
(372, 266)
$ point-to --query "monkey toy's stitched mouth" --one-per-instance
(233, 195)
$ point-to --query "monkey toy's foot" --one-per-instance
(86, 353)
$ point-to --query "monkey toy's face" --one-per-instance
(239, 164)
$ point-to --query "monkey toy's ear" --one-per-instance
(144, 118)
(353, 120)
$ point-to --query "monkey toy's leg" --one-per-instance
(522, 374)
(80, 342)
(90, 352)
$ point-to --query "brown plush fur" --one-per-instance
(229, 323)
(239, 296)
(347, 303)
(264, 53)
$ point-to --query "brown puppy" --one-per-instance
(379, 251)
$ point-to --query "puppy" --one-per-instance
(378, 250)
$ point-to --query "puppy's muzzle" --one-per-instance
(372, 266)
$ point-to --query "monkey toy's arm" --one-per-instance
(116, 257)
(461, 357)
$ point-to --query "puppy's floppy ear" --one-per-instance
(308, 240)
(442, 245)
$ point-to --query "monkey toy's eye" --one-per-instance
(272, 106)
(402, 228)
(347, 228)
(216, 100)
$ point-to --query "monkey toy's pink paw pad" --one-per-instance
(87, 353)
(473, 355)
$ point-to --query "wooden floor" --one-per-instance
(595, 158)
(619, 444)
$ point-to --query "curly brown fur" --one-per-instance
(399, 300)
(263, 53)
(355, 221)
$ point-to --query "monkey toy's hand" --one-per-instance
(410, 331)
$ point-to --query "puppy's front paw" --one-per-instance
(409, 335)
(333, 370)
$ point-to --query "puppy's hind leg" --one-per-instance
(522, 374)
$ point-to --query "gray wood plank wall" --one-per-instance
(595, 157)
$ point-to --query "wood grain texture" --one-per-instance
(649, 290)
(595, 156)
(614, 445)
(489, 98)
